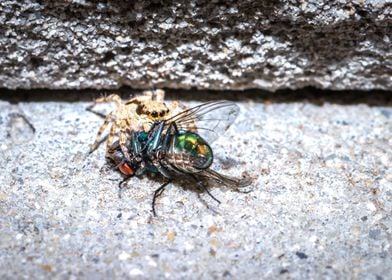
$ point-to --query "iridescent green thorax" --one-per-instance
(195, 148)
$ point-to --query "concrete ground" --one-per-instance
(320, 206)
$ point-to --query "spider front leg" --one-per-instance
(98, 139)
(159, 95)
(147, 96)
(123, 143)
(176, 107)
(110, 98)
(146, 123)
(109, 142)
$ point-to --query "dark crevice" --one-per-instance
(306, 95)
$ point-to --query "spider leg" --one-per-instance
(146, 96)
(90, 109)
(158, 192)
(146, 122)
(97, 141)
(173, 106)
(159, 95)
(113, 97)
(123, 142)
(110, 98)
(111, 135)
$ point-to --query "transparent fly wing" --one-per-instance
(238, 184)
(210, 120)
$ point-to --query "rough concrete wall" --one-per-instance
(63, 44)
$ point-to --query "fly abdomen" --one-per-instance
(189, 152)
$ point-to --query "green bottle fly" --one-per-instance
(189, 152)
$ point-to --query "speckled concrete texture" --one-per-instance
(320, 208)
(62, 44)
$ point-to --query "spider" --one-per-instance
(136, 114)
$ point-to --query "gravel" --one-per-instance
(320, 206)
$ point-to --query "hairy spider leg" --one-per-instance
(123, 141)
(111, 98)
(97, 141)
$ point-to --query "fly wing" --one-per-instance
(210, 120)
(238, 184)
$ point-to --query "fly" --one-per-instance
(180, 146)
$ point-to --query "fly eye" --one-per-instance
(126, 169)
(154, 114)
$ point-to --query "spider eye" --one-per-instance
(162, 113)
(154, 114)
(148, 112)
(167, 111)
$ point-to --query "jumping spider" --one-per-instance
(136, 114)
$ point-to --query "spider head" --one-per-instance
(154, 110)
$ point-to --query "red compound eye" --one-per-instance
(126, 169)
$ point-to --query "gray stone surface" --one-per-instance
(77, 44)
(321, 205)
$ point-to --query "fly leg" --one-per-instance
(158, 192)
(201, 185)
(154, 137)
(172, 130)
(121, 186)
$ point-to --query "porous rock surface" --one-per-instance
(64, 44)
(320, 205)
